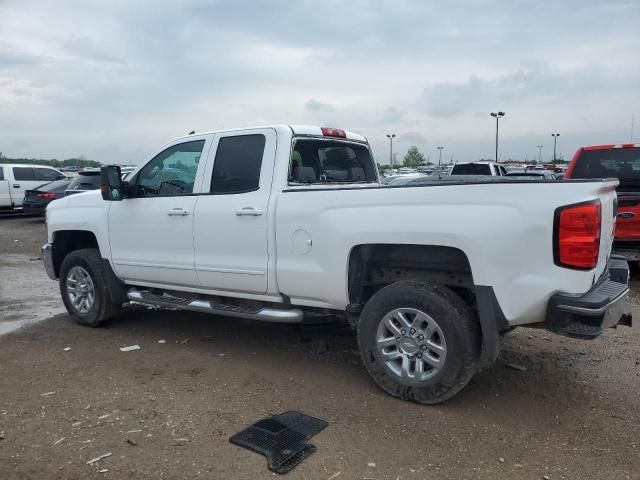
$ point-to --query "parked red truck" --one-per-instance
(621, 161)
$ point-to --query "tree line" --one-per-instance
(80, 162)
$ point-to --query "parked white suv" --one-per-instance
(15, 179)
(271, 223)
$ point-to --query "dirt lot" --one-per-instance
(574, 413)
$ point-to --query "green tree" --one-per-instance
(414, 158)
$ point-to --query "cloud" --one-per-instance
(314, 105)
(124, 78)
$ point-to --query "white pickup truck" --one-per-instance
(277, 222)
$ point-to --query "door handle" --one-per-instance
(178, 212)
(248, 212)
(16, 185)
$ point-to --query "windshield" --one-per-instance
(330, 161)
(620, 163)
(471, 169)
(85, 182)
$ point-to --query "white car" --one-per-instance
(15, 179)
(270, 223)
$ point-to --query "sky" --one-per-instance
(115, 80)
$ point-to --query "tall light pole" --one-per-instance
(391, 137)
(539, 153)
(555, 140)
(497, 116)
(440, 155)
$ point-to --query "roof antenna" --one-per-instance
(192, 132)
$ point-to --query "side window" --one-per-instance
(46, 174)
(1, 173)
(171, 172)
(236, 168)
(23, 173)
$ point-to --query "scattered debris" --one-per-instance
(515, 366)
(186, 340)
(46, 394)
(518, 465)
(133, 431)
(371, 464)
(132, 442)
(104, 416)
(2, 435)
(162, 341)
(501, 460)
(59, 441)
(180, 441)
(103, 470)
(130, 348)
(221, 355)
(76, 424)
(94, 460)
(546, 477)
(66, 349)
(337, 474)
(35, 258)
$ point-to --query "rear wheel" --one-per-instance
(419, 342)
(84, 290)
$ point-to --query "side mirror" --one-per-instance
(111, 183)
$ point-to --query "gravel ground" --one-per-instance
(167, 410)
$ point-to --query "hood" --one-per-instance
(90, 198)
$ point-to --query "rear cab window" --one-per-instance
(330, 161)
(471, 169)
(620, 163)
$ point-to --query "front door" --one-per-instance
(151, 234)
(231, 223)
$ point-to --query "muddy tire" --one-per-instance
(84, 290)
(419, 342)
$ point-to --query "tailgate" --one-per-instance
(628, 220)
(608, 200)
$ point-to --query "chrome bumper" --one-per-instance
(47, 259)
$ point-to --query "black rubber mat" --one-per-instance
(281, 438)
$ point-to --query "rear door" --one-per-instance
(5, 188)
(231, 222)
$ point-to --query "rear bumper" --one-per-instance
(47, 259)
(604, 306)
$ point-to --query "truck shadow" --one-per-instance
(534, 373)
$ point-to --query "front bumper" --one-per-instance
(47, 259)
(604, 306)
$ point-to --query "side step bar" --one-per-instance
(293, 315)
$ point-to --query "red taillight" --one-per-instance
(333, 132)
(577, 236)
(46, 196)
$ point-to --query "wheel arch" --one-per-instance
(374, 266)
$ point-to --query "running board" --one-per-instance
(292, 315)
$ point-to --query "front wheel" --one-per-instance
(84, 289)
(419, 342)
